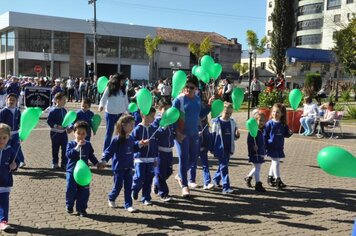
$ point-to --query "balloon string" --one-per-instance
(18, 149)
(153, 134)
(293, 120)
(204, 128)
(80, 153)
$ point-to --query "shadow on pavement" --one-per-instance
(41, 173)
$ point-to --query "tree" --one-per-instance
(200, 50)
(281, 38)
(345, 47)
(312, 84)
(259, 46)
(151, 46)
(241, 68)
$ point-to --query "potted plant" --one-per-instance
(267, 100)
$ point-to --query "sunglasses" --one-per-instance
(190, 87)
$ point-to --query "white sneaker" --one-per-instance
(166, 199)
(22, 164)
(131, 209)
(209, 186)
(192, 185)
(147, 203)
(112, 204)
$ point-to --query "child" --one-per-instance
(86, 115)
(121, 150)
(224, 133)
(8, 163)
(275, 131)
(204, 141)
(11, 115)
(145, 156)
(165, 138)
(76, 150)
(58, 133)
(256, 153)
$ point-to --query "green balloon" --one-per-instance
(252, 127)
(337, 161)
(237, 98)
(178, 82)
(216, 108)
(95, 122)
(132, 107)
(102, 83)
(144, 100)
(169, 117)
(69, 118)
(207, 62)
(82, 174)
(202, 74)
(295, 96)
(29, 119)
(217, 69)
(193, 69)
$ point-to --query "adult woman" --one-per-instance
(187, 133)
(115, 101)
(309, 113)
(227, 89)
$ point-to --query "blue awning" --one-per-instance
(310, 55)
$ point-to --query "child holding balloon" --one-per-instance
(79, 149)
(59, 137)
(224, 134)
(86, 115)
(8, 164)
(275, 131)
(11, 115)
(121, 151)
(256, 153)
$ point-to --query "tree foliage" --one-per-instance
(242, 68)
(151, 44)
(312, 84)
(345, 47)
(199, 50)
(281, 38)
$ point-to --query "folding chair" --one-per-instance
(312, 124)
(335, 125)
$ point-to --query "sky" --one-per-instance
(230, 18)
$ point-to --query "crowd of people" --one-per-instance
(141, 149)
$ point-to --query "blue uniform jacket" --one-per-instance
(85, 116)
(12, 120)
(256, 157)
(217, 144)
(137, 117)
(56, 116)
(56, 89)
(141, 133)
(87, 153)
(165, 136)
(121, 152)
(7, 155)
(205, 139)
(274, 135)
(13, 88)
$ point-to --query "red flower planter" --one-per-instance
(266, 111)
(293, 118)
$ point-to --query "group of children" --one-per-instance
(142, 155)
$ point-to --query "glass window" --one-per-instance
(310, 9)
(270, 4)
(310, 24)
(90, 45)
(10, 41)
(108, 46)
(263, 65)
(349, 1)
(308, 39)
(269, 18)
(133, 48)
(333, 4)
(305, 67)
(33, 40)
(337, 18)
(61, 42)
(3, 42)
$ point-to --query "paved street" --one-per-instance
(314, 203)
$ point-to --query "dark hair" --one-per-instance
(163, 102)
(193, 79)
(12, 95)
(152, 110)
(119, 130)
(331, 104)
(59, 96)
(87, 101)
(283, 111)
(114, 84)
(308, 99)
(81, 125)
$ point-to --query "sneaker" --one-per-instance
(280, 184)
(178, 180)
(259, 187)
(208, 186)
(185, 192)
(55, 166)
(147, 203)
(4, 226)
(248, 181)
(154, 189)
(134, 196)
(217, 185)
(271, 181)
(166, 199)
(112, 204)
(69, 210)
(228, 191)
(131, 209)
(192, 185)
(83, 213)
(22, 164)
(320, 136)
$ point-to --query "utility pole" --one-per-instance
(94, 38)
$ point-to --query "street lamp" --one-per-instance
(94, 38)
(175, 66)
(251, 52)
(88, 62)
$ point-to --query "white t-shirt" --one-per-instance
(310, 109)
(115, 104)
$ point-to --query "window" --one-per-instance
(33, 40)
(349, 1)
(305, 67)
(3, 42)
(333, 4)
(337, 18)
(133, 48)
(310, 24)
(61, 42)
(269, 32)
(334, 34)
(310, 9)
(263, 65)
(308, 39)
(10, 41)
(270, 4)
(269, 18)
(174, 49)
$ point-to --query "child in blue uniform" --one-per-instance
(275, 131)
(11, 115)
(58, 133)
(86, 115)
(8, 163)
(204, 142)
(256, 153)
(145, 157)
(121, 150)
(76, 150)
(224, 133)
(165, 138)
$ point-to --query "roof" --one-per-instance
(310, 55)
(189, 36)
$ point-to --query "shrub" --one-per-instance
(269, 99)
(312, 84)
(345, 95)
(351, 111)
